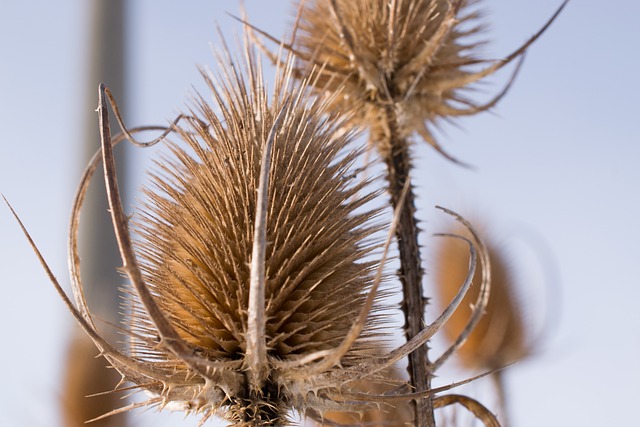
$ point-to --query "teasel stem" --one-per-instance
(500, 387)
(396, 154)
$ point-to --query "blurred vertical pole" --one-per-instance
(84, 373)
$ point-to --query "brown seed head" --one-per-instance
(196, 235)
(418, 57)
(413, 54)
(198, 225)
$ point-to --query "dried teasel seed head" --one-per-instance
(500, 337)
(197, 230)
(194, 243)
(417, 57)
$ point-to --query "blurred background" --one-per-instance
(555, 166)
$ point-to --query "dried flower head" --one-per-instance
(252, 238)
(417, 57)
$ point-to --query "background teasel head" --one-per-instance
(501, 336)
(416, 57)
(85, 375)
(252, 283)
(397, 414)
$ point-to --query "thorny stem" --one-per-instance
(398, 160)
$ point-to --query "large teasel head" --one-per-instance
(198, 231)
(197, 227)
(417, 57)
(256, 260)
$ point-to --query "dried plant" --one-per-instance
(257, 259)
(254, 234)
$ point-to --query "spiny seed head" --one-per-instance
(195, 238)
(197, 232)
(412, 56)
(500, 337)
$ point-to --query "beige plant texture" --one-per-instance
(258, 262)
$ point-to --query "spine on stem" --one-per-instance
(397, 157)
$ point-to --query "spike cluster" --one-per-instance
(196, 232)
(409, 55)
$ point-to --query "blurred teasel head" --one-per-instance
(415, 59)
(503, 335)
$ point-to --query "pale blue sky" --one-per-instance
(560, 154)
